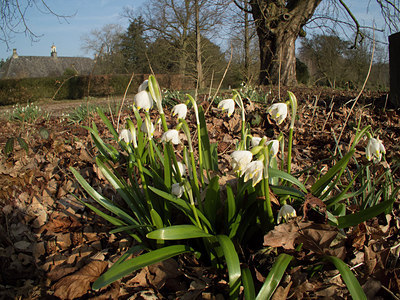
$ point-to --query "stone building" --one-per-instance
(44, 66)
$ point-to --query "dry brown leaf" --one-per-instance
(78, 284)
(315, 237)
(60, 271)
(314, 209)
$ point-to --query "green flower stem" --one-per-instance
(267, 203)
(149, 137)
(196, 111)
(144, 185)
(243, 129)
(193, 206)
(186, 130)
(290, 144)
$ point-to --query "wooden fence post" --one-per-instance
(394, 68)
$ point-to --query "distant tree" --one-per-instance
(325, 56)
(2, 62)
(105, 44)
(133, 46)
(245, 60)
(175, 21)
(13, 18)
(279, 23)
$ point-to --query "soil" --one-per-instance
(53, 247)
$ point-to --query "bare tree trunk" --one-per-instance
(246, 43)
(199, 66)
(394, 68)
(278, 25)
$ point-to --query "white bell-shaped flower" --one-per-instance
(286, 212)
(128, 137)
(172, 136)
(143, 86)
(255, 141)
(179, 110)
(177, 190)
(278, 112)
(240, 160)
(181, 167)
(375, 149)
(227, 104)
(254, 171)
(274, 147)
(143, 100)
(147, 127)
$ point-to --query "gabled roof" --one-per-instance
(44, 66)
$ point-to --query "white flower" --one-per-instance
(126, 136)
(147, 127)
(374, 150)
(143, 100)
(278, 112)
(227, 104)
(143, 86)
(254, 171)
(177, 190)
(286, 212)
(255, 141)
(181, 167)
(274, 147)
(180, 110)
(172, 136)
(240, 160)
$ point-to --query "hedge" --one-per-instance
(26, 90)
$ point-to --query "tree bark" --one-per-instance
(394, 68)
(278, 25)
(199, 66)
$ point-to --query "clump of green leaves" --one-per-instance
(29, 113)
(81, 113)
(175, 204)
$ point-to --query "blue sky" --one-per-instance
(94, 14)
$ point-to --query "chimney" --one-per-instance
(53, 51)
(15, 54)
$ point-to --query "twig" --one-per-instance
(315, 107)
(390, 292)
(358, 96)
(329, 115)
(65, 80)
(279, 74)
(352, 268)
(220, 83)
(387, 97)
(123, 99)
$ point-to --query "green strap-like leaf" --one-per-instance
(232, 263)
(9, 147)
(120, 185)
(364, 215)
(212, 201)
(23, 144)
(103, 201)
(287, 177)
(274, 276)
(127, 267)
(348, 277)
(107, 123)
(178, 232)
(248, 285)
(318, 187)
(182, 205)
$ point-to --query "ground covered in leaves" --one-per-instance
(52, 247)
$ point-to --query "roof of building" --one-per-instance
(44, 66)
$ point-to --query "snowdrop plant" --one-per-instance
(174, 207)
